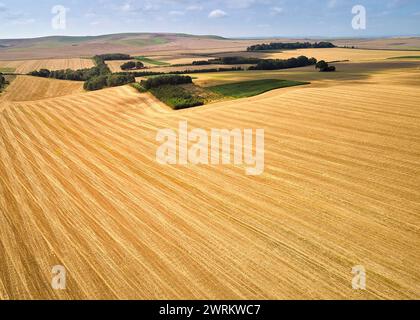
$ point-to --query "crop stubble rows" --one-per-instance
(79, 186)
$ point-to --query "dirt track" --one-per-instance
(80, 186)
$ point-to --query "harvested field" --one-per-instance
(347, 71)
(115, 65)
(339, 54)
(135, 44)
(80, 187)
(397, 43)
(169, 69)
(163, 45)
(182, 59)
(26, 66)
(27, 88)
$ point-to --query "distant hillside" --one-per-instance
(163, 43)
(65, 46)
(137, 39)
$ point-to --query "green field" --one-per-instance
(143, 42)
(177, 97)
(252, 88)
(7, 70)
(151, 61)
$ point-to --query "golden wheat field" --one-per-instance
(337, 54)
(80, 187)
(181, 58)
(27, 88)
(115, 66)
(26, 66)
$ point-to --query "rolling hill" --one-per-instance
(136, 43)
(80, 187)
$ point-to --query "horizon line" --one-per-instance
(224, 37)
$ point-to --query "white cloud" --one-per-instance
(217, 14)
(277, 11)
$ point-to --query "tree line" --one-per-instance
(278, 64)
(228, 61)
(169, 79)
(95, 78)
(3, 81)
(261, 64)
(132, 65)
(290, 46)
(68, 74)
(138, 74)
(324, 67)
(114, 56)
(166, 88)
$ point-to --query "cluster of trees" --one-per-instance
(208, 70)
(132, 65)
(3, 81)
(151, 73)
(101, 69)
(277, 64)
(227, 60)
(324, 67)
(141, 73)
(166, 88)
(95, 78)
(201, 63)
(114, 56)
(238, 60)
(170, 79)
(260, 64)
(75, 75)
(290, 45)
(110, 80)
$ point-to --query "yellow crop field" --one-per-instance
(115, 65)
(180, 58)
(26, 66)
(80, 187)
(27, 88)
(347, 71)
(336, 54)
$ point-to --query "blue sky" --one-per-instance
(231, 18)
